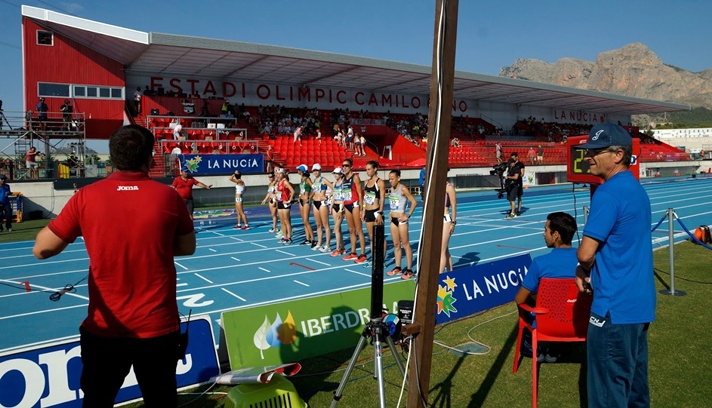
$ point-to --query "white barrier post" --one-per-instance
(671, 254)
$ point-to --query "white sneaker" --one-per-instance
(315, 247)
(279, 234)
(272, 231)
(324, 249)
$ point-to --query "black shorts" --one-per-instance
(369, 215)
(280, 206)
(189, 203)
(337, 207)
(304, 202)
(395, 221)
(512, 194)
(318, 204)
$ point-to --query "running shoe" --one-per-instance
(350, 257)
(338, 252)
(245, 227)
(324, 249)
(396, 271)
(313, 245)
(306, 242)
(407, 274)
(236, 226)
(361, 259)
(279, 234)
(286, 241)
(510, 216)
(272, 230)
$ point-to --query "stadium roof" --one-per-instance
(177, 55)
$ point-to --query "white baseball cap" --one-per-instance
(338, 170)
(316, 166)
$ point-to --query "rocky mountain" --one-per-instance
(633, 70)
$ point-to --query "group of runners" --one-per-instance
(343, 197)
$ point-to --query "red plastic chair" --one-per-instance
(561, 315)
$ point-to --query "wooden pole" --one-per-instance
(439, 120)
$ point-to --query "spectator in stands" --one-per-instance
(350, 138)
(184, 186)
(455, 142)
(298, 135)
(357, 145)
(318, 135)
(132, 314)
(31, 163)
(532, 156)
(67, 109)
(398, 197)
(137, 101)
(5, 204)
(498, 152)
(178, 132)
(540, 155)
(236, 178)
(363, 144)
(561, 263)
(225, 108)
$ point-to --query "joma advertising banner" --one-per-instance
(470, 290)
(49, 376)
(295, 330)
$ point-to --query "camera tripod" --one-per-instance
(376, 330)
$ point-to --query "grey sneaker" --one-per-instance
(324, 249)
(510, 216)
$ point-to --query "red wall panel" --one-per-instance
(68, 62)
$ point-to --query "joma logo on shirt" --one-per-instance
(127, 188)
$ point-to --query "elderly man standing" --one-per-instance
(616, 264)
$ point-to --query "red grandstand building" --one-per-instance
(98, 68)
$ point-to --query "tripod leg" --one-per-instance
(340, 390)
(378, 357)
(399, 363)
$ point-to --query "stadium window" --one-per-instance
(117, 93)
(91, 92)
(104, 93)
(45, 37)
(80, 91)
(52, 90)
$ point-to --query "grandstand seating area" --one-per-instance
(244, 133)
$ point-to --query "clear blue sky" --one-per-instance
(491, 33)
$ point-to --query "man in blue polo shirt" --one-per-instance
(616, 263)
(561, 263)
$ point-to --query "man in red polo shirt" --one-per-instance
(184, 186)
(133, 227)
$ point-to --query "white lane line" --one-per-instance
(230, 293)
(184, 268)
(213, 250)
(266, 270)
(203, 278)
(358, 273)
(259, 245)
(301, 283)
(283, 252)
(233, 258)
(319, 262)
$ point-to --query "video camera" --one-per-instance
(498, 170)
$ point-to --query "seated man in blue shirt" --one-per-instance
(559, 263)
